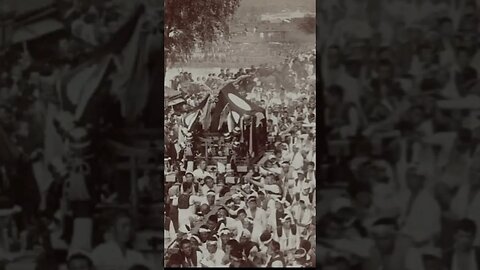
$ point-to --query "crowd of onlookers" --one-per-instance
(401, 110)
(36, 210)
(264, 217)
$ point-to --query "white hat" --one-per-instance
(340, 203)
(196, 238)
(224, 231)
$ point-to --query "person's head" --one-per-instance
(252, 203)
(189, 177)
(300, 175)
(334, 95)
(212, 245)
(212, 222)
(311, 166)
(187, 187)
(236, 257)
(225, 236)
(204, 209)
(211, 197)
(202, 164)
(204, 232)
(230, 245)
(286, 167)
(415, 178)
(241, 214)
(287, 222)
(261, 196)
(384, 234)
(186, 247)
(465, 234)
(222, 213)
(79, 261)
(121, 227)
(273, 248)
(209, 182)
(446, 27)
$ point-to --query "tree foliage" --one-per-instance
(191, 23)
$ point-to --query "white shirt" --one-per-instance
(423, 220)
(213, 260)
(304, 218)
(200, 174)
(109, 256)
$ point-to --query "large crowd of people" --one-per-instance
(219, 215)
(48, 214)
(401, 107)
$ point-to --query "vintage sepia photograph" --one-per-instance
(81, 134)
(240, 141)
(399, 184)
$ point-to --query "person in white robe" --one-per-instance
(201, 171)
(114, 253)
(466, 202)
(420, 213)
(259, 217)
(288, 237)
(213, 256)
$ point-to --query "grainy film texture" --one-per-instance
(240, 122)
(400, 183)
(80, 136)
